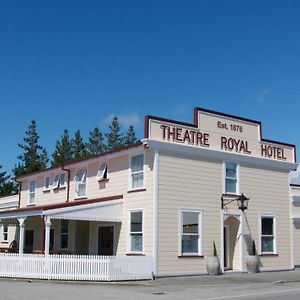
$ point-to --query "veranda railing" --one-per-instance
(75, 267)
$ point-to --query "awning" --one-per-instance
(107, 211)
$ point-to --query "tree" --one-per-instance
(130, 137)
(63, 150)
(114, 137)
(7, 186)
(35, 156)
(79, 150)
(95, 144)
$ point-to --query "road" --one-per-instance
(285, 285)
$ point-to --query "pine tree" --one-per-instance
(130, 137)
(114, 137)
(63, 150)
(35, 156)
(95, 144)
(78, 146)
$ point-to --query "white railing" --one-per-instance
(75, 267)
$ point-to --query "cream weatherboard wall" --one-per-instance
(295, 213)
(117, 183)
(193, 183)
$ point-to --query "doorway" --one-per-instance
(28, 242)
(106, 240)
(226, 246)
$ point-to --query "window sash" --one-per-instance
(47, 183)
(102, 172)
(32, 185)
(231, 181)
(137, 171)
(267, 235)
(80, 183)
(5, 233)
(56, 181)
(190, 241)
(136, 231)
(64, 234)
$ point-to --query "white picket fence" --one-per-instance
(75, 267)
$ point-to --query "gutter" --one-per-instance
(68, 186)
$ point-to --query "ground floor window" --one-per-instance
(4, 233)
(190, 232)
(136, 231)
(268, 238)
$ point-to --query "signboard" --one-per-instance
(222, 132)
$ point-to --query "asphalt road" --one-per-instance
(195, 288)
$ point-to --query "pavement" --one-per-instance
(243, 286)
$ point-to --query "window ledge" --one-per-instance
(59, 188)
(31, 204)
(4, 242)
(191, 256)
(46, 190)
(81, 198)
(135, 254)
(103, 180)
(136, 190)
(268, 254)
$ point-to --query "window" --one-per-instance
(47, 183)
(231, 176)
(102, 172)
(59, 181)
(190, 233)
(5, 233)
(64, 225)
(136, 231)
(80, 183)
(268, 234)
(31, 192)
(137, 171)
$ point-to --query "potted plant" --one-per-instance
(252, 262)
(213, 262)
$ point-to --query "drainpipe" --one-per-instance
(68, 187)
(20, 189)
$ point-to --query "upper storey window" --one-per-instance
(231, 178)
(80, 183)
(59, 181)
(102, 172)
(31, 196)
(137, 171)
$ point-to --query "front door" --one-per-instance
(106, 240)
(28, 243)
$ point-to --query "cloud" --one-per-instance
(263, 95)
(125, 120)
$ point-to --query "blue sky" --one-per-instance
(73, 64)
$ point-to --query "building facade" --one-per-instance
(169, 197)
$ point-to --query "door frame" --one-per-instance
(114, 235)
(226, 246)
(239, 216)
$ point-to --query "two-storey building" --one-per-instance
(168, 198)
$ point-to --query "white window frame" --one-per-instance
(130, 187)
(5, 233)
(47, 188)
(31, 194)
(274, 217)
(57, 181)
(142, 232)
(102, 172)
(82, 181)
(64, 234)
(237, 178)
(180, 231)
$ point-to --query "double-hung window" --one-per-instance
(268, 238)
(64, 230)
(59, 181)
(136, 231)
(190, 232)
(5, 233)
(32, 185)
(47, 183)
(102, 172)
(137, 172)
(231, 178)
(80, 183)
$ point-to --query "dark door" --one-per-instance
(106, 240)
(226, 254)
(28, 243)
